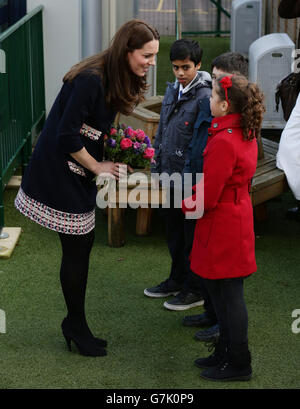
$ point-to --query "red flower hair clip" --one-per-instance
(225, 84)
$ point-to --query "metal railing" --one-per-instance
(186, 17)
(22, 95)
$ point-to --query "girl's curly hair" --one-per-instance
(245, 98)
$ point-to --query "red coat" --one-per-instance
(224, 241)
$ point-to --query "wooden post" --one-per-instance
(260, 212)
(261, 154)
(143, 221)
(116, 235)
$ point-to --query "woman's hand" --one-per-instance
(116, 170)
(106, 168)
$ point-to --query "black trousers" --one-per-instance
(228, 300)
(193, 282)
(180, 236)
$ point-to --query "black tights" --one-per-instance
(228, 299)
(76, 251)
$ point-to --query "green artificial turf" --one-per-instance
(148, 346)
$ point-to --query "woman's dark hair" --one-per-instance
(231, 62)
(186, 48)
(289, 9)
(123, 89)
(245, 98)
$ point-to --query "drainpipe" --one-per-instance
(91, 27)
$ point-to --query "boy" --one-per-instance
(178, 114)
(227, 63)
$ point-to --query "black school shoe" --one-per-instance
(208, 335)
(293, 214)
(184, 301)
(235, 367)
(216, 358)
(164, 289)
(198, 320)
(226, 372)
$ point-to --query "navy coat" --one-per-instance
(55, 188)
(194, 156)
(177, 119)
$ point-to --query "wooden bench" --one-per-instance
(268, 181)
(146, 197)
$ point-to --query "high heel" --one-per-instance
(86, 345)
(68, 342)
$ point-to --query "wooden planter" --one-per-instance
(145, 117)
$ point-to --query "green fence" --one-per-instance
(22, 95)
(217, 30)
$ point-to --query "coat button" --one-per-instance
(229, 130)
(215, 125)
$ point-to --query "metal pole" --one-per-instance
(178, 19)
(91, 28)
(219, 17)
(135, 8)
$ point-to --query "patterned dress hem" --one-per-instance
(61, 222)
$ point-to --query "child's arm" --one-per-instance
(156, 165)
(218, 168)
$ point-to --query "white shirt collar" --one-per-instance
(187, 88)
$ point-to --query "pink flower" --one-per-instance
(126, 143)
(113, 131)
(140, 135)
(136, 145)
(130, 133)
(149, 153)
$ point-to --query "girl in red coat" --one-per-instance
(223, 251)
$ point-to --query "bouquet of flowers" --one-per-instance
(126, 145)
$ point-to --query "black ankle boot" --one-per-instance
(236, 366)
(87, 345)
(215, 358)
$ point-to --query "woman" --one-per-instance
(288, 152)
(58, 189)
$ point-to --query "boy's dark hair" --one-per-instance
(186, 48)
(232, 63)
